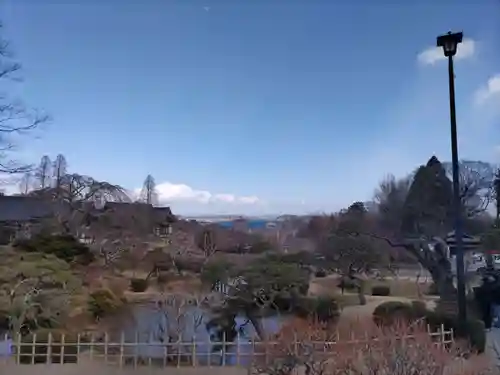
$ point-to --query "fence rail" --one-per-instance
(121, 351)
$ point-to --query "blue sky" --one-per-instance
(254, 106)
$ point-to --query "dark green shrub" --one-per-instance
(65, 247)
(419, 308)
(392, 312)
(347, 283)
(215, 271)
(102, 302)
(433, 290)
(260, 247)
(41, 349)
(320, 273)
(324, 309)
(184, 264)
(476, 334)
(474, 330)
(381, 290)
(139, 285)
(388, 313)
(163, 278)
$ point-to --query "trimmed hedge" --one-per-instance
(139, 285)
(320, 273)
(381, 290)
(348, 284)
(324, 309)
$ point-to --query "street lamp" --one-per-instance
(449, 43)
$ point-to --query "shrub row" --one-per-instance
(65, 247)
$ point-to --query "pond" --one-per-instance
(150, 324)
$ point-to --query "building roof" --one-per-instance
(22, 208)
(467, 239)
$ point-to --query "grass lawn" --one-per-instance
(399, 287)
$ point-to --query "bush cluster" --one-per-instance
(348, 284)
(103, 302)
(139, 285)
(65, 247)
(389, 313)
(381, 290)
(322, 309)
(320, 273)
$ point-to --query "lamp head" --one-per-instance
(449, 42)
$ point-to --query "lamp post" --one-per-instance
(449, 43)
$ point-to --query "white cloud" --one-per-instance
(170, 193)
(488, 91)
(432, 55)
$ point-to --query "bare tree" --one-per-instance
(43, 173)
(390, 197)
(208, 244)
(79, 188)
(149, 194)
(77, 198)
(59, 170)
(476, 185)
(15, 118)
(182, 315)
(113, 247)
(26, 183)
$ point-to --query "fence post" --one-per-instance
(63, 341)
(252, 355)
(91, 349)
(193, 351)
(148, 344)
(106, 348)
(266, 352)
(224, 348)
(443, 337)
(238, 354)
(136, 346)
(33, 349)
(210, 345)
(49, 349)
(18, 348)
(122, 342)
(78, 344)
(179, 346)
(165, 350)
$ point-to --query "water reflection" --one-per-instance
(150, 327)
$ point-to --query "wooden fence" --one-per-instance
(122, 351)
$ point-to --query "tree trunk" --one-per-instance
(257, 324)
(361, 296)
(444, 284)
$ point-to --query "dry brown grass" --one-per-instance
(362, 348)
